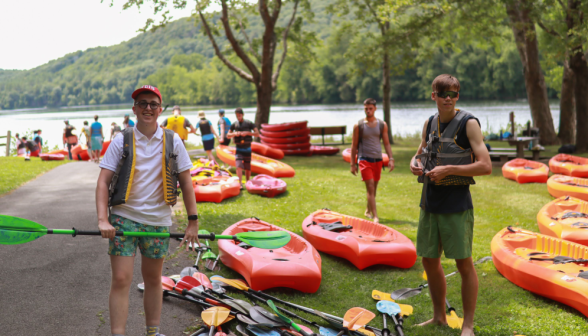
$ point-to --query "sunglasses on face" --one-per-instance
(143, 104)
(445, 94)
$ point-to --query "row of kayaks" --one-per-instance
(527, 171)
(298, 265)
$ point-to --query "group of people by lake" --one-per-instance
(29, 147)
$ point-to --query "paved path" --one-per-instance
(58, 285)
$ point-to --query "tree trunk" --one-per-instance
(523, 29)
(264, 103)
(567, 112)
(580, 67)
(386, 94)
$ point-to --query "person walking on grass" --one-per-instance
(366, 151)
(96, 138)
(451, 153)
(223, 128)
(179, 124)
(141, 188)
(242, 130)
(208, 134)
(69, 138)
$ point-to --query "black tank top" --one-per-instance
(204, 127)
(68, 130)
(449, 199)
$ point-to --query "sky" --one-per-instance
(37, 31)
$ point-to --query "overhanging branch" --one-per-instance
(285, 40)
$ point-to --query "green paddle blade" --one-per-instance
(14, 230)
(265, 239)
(271, 304)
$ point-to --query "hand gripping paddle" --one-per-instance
(392, 309)
(406, 310)
(356, 318)
(214, 317)
(14, 230)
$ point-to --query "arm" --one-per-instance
(482, 166)
(387, 147)
(354, 142)
(222, 129)
(104, 225)
(255, 132)
(191, 209)
(231, 133)
(415, 164)
(214, 132)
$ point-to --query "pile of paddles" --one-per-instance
(292, 138)
(553, 263)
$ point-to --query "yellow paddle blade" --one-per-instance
(425, 275)
(215, 316)
(235, 283)
(357, 317)
(229, 318)
(454, 321)
(366, 332)
(405, 310)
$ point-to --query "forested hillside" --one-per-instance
(179, 60)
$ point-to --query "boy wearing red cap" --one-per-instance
(138, 182)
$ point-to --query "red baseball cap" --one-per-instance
(147, 88)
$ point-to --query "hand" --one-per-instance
(438, 173)
(391, 165)
(415, 167)
(354, 169)
(191, 236)
(106, 229)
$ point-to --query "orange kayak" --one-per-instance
(296, 265)
(216, 189)
(570, 165)
(265, 150)
(560, 185)
(259, 164)
(547, 266)
(347, 156)
(362, 242)
(565, 218)
(525, 171)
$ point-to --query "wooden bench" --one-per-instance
(330, 130)
(505, 155)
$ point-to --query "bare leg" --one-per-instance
(97, 156)
(209, 153)
(469, 293)
(437, 288)
(374, 211)
(240, 176)
(371, 199)
(118, 303)
(247, 175)
(153, 297)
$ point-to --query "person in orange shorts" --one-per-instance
(366, 151)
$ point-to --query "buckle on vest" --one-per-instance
(173, 156)
(433, 155)
(125, 154)
(435, 138)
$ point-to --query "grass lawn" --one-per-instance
(325, 182)
(15, 171)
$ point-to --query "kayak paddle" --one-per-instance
(14, 230)
(406, 310)
(286, 319)
(214, 317)
(356, 318)
(392, 309)
(479, 261)
(257, 331)
(212, 265)
(453, 320)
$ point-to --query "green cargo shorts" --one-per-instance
(150, 247)
(451, 233)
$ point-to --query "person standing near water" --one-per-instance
(86, 132)
(208, 134)
(96, 138)
(68, 137)
(243, 130)
(179, 124)
(143, 188)
(366, 151)
(451, 153)
(223, 128)
(38, 140)
(127, 122)
(21, 147)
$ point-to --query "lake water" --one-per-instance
(407, 118)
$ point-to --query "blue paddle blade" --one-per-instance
(388, 307)
(262, 332)
(14, 230)
(327, 331)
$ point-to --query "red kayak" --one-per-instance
(296, 265)
(286, 134)
(284, 126)
(270, 140)
(299, 145)
(301, 151)
(265, 150)
(266, 185)
(362, 242)
(52, 157)
(324, 150)
(347, 157)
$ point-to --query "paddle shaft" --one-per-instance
(397, 326)
(385, 331)
(74, 232)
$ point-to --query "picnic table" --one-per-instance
(520, 143)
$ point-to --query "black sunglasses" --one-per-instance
(445, 94)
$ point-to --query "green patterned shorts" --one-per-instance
(154, 248)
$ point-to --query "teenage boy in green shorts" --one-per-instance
(451, 153)
(139, 177)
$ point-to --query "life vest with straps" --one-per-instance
(205, 127)
(442, 150)
(122, 180)
(176, 124)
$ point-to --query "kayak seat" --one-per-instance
(580, 225)
(574, 214)
(335, 227)
(583, 275)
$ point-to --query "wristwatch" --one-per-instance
(193, 217)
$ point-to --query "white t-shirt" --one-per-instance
(145, 203)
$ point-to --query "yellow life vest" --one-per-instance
(176, 124)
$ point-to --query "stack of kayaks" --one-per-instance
(265, 150)
(570, 165)
(362, 242)
(525, 171)
(565, 218)
(547, 266)
(266, 185)
(560, 185)
(259, 164)
(296, 265)
(216, 189)
(347, 156)
(291, 138)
